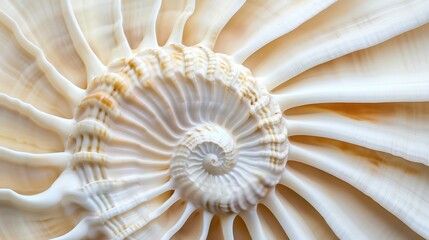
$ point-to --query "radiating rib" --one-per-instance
(176, 34)
(84, 229)
(139, 20)
(375, 175)
(66, 185)
(253, 223)
(394, 88)
(150, 106)
(146, 196)
(306, 219)
(98, 188)
(189, 209)
(58, 159)
(227, 224)
(349, 213)
(381, 70)
(356, 25)
(200, 31)
(25, 69)
(55, 38)
(153, 102)
(148, 177)
(101, 24)
(126, 119)
(61, 126)
(150, 217)
(293, 228)
(31, 142)
(207, 219)
(103, 159)
(378, 134)
(273, 19)
(109, 186)
(139, 146)
(25, 128)
(92, 63)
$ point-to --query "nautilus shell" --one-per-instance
(184, 119)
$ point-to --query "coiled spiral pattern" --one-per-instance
(218, 138)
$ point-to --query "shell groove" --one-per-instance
(183, 119)
(221, 159)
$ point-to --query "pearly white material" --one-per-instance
(184, 119)
(272, 19)
(356, 26)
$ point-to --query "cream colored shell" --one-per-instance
(213, 119)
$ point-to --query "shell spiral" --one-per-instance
(184, 119)
(223, 152)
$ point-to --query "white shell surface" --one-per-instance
(212, 119)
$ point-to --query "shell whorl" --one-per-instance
(220, 134)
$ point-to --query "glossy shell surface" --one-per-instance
(182, 119)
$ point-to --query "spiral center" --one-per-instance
(212, 164)
(211, 160)
(221, 132)
(209, 146)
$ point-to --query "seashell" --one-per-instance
(214, 119)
